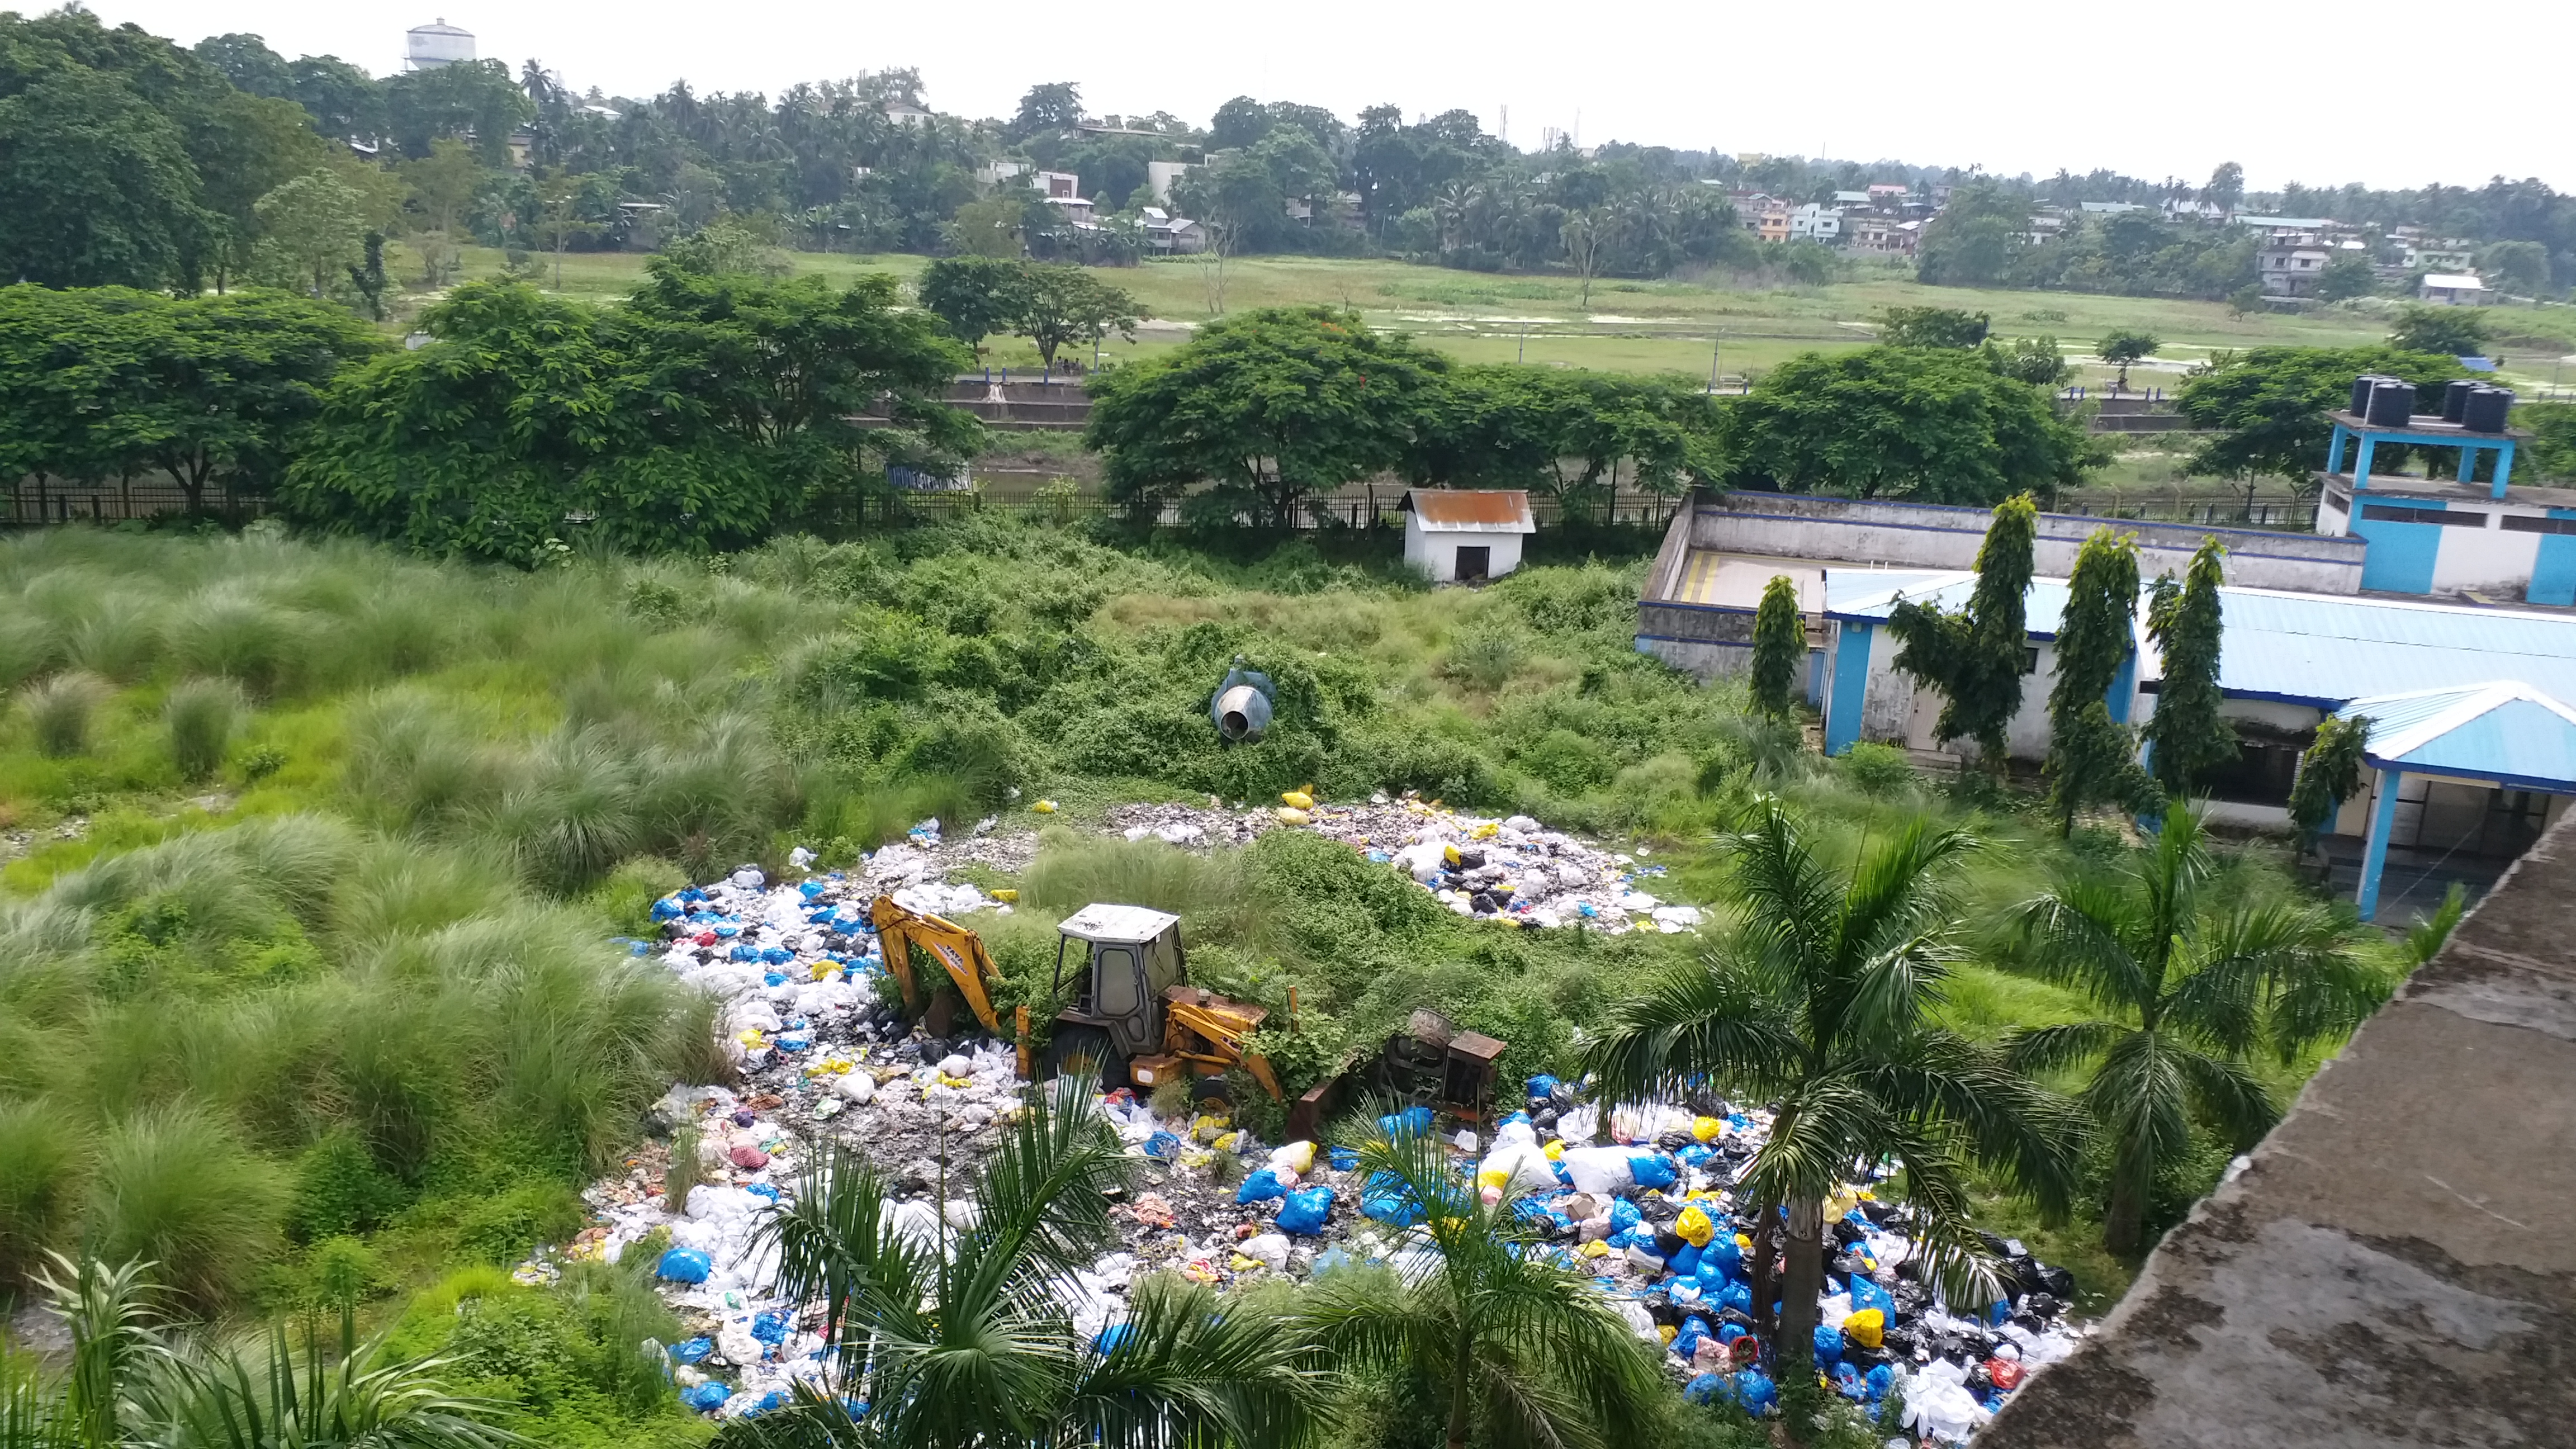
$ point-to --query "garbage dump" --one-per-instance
(1634, 1196)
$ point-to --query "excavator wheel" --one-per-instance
(1085, 1051)
(1212, 1091)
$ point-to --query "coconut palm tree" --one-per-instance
(949, 1337)
(2192, 993)
(1523, 1349)
(1822, 1002)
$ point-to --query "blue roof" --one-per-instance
(2312, 649)
(1845, 587)
(2504, 731)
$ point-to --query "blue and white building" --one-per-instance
(2470, 533)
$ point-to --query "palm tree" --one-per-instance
(951, 1337)
(1526, 1352)
(1821, 1002)
(133, 1380)
(2193, 993)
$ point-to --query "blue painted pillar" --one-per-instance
(1851, 687)
(2468, 463)
(2334, 453)
(2504, 467)
(2374, 851)
(2124, 689)
(2361, 465)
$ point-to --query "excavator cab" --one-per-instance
(1133, 1018)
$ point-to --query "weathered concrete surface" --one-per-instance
(2397, 1265)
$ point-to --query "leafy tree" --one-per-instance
(2346, 275)
(989, 228)
(1779, 648)
(953, 1336)
(368, 277)
(1932, 327)
(1825, 1001)
(443, 183)
(2091, 759)
(1895, 422)
(1975, 239)
(2520, 266)
(345, 102)
(707, 412)
(2451, 331)
(2553, 436)
(96, 188)
(1056, 106)
(976, 296)
(1976, 658)
(248, 63)
(1564, 434)
(311, 228)
(1267, 407)
(2245, 299)
(2123, 347)
(1584, 235)
(2034, 360)
(1516, 1349)
(2187, 733)
(2226, 188)
(1061, 303)
(2329, 774)
(2191, 991)
(560, 218)
(479, 98)
(2268, 405)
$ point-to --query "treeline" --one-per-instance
(1983, 238)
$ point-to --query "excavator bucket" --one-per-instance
(957, 949)
(1209, 1030)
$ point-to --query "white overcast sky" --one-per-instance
(2157, 89)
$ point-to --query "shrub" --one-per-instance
(60, 708)
(1878, 770)
(39, 1163)
(201, 715)
(176, 1187)
(339, 1190)
(503, 1229)
(1482, 661)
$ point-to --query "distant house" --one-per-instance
(1851, 198)
(2455, 289)
(2107, 208)
(1159, 175)
(1171, 235)
(1059, 185)
(1074, 209)
(1883, 193)
(2449, 257)
(1768, 219)
(1880, 236)
(905, 113)
(2291, 270)
(994, 173)
(1812, 222)
(1461, 535)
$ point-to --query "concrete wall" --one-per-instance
(1790, 525)
(1435, 552)
(1897, 711)
(2394, 1266)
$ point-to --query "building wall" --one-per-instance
(2440, 558)
(1786, 525)
(1436, 553)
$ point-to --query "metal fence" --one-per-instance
(2282, 512)
(33, 503)
(871, 512)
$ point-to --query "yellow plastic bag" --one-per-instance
(1226, 1142)
(1694, 1227)
(1299, 1155)
(1008, 898)
(1288, 816)
(1706, 1129)
(1044, 807)
(1555, 1150)
(1210, 1127)
(1297, 800)
(1486, 831)
(1596, 1249)
(1868, 1328)
(1449, 853)
(1666, 1333)
(1493, 1177)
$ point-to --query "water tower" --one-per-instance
(437, 44)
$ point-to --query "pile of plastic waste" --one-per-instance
(1635, 1197)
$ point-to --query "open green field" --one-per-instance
(1665, 326)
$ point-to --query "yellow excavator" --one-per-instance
(1134, 1017)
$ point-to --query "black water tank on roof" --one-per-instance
(2487, 409)
(2361, 392)
(2392, 403)
(2455, 400)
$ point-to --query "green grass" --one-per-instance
(1647, 326)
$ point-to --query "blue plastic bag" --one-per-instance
(1694, 1332)
(1996, 1316)
(693, 1350)
(1306, 1211)
(1685, 1264)
(1829, 1344)
(1163, 1145)
(1705, 1388)
(1866, 1294)
(1755, 1391)
(1624, 1215)
(707, 1397)
(761, 1189)
(1878, 1381)
(777, 955)
(1738, 1296)
(1651, 1169)
(1110, 1337)
(1341, 1159)
(667, 909)
(1541, 1085)
(1728, 1333)
(684, 1265)
(1395, 1212)
(1411, 1122)
(1849, 1383)
(1723, 1252)
(770, 1327)
(810, 890)
(1262, 1186)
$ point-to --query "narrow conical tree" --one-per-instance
(1976, 659)
(1779, 648)
(2188, 736)
(2093, 759)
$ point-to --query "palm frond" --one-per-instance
(1708, 1018)
(1900, 887)
(1196, 1369)
(2228, 1096)
(1893, 991)
(1951, 1256)
(228, 1399)
(2080, 934)
(1788, 895)
(2042, 1049)
(2033, 1136)
(2140, 1098)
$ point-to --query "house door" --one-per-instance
(1474, 563)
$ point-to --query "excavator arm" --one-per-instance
(960, 951)
(1209, 1029)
